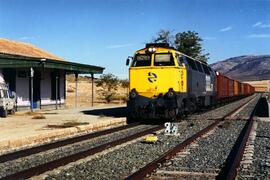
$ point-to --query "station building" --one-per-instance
(36, 76)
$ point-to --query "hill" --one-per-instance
(245, 68)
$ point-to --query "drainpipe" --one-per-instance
(32, 88)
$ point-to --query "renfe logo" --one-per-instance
(152, 77)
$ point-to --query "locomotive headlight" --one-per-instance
(133, 94)
(152, 50)
(170, 93)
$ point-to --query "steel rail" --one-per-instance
(65, 160)
(60, 143)
(152, 166)
(229, 172)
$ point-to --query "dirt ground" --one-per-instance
(85, 95)
(260, 86)
(25, 128)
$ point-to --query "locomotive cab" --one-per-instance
(157, 75)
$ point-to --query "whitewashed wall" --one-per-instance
(45, 88)
(22, 89)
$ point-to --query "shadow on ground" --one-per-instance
(121, 112)
(109, 112)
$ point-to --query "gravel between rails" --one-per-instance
(121, 162)
(260, 167)
(221, 111)
(210, 153)
(128, 159)
(247, 110)
(17, 165)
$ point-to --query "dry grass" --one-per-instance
(85, 93)
(39, 116)
(67, 124)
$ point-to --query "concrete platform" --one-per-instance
(22, 129)
(265, 119)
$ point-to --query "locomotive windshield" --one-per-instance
(163, 60)
(142, 60)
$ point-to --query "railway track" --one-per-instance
(33, 167)
(36, 170)
(45, 147)
(229, 171)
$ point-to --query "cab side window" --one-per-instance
(198, 64)
(180, 60)
(206, 70)
(191, 63)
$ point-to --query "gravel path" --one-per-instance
(17, 165)
(260, 167)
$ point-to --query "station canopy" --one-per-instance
(15, 54)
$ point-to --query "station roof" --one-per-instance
(15, 54)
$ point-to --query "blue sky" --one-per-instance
(105, 32)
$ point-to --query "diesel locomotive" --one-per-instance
(165, 83)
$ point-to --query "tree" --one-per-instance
(164, 36)
(187, 42)
(108, 84)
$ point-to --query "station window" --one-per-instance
(141, 60)
(191, 63)
(163, 60)
(198, 64)
(205, 68)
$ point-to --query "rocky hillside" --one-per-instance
(245, 68)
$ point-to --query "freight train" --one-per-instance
(165, 83)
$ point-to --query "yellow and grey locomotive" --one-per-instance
(165, 83)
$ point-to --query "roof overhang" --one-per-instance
(14, 61)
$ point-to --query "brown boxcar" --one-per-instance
(236, 90)
(245, 89)
(242, 89)
(222, 86)
(230, 88)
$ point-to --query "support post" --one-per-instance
(92, 78)
(56, 92)
(76, 89)
(32, 88)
